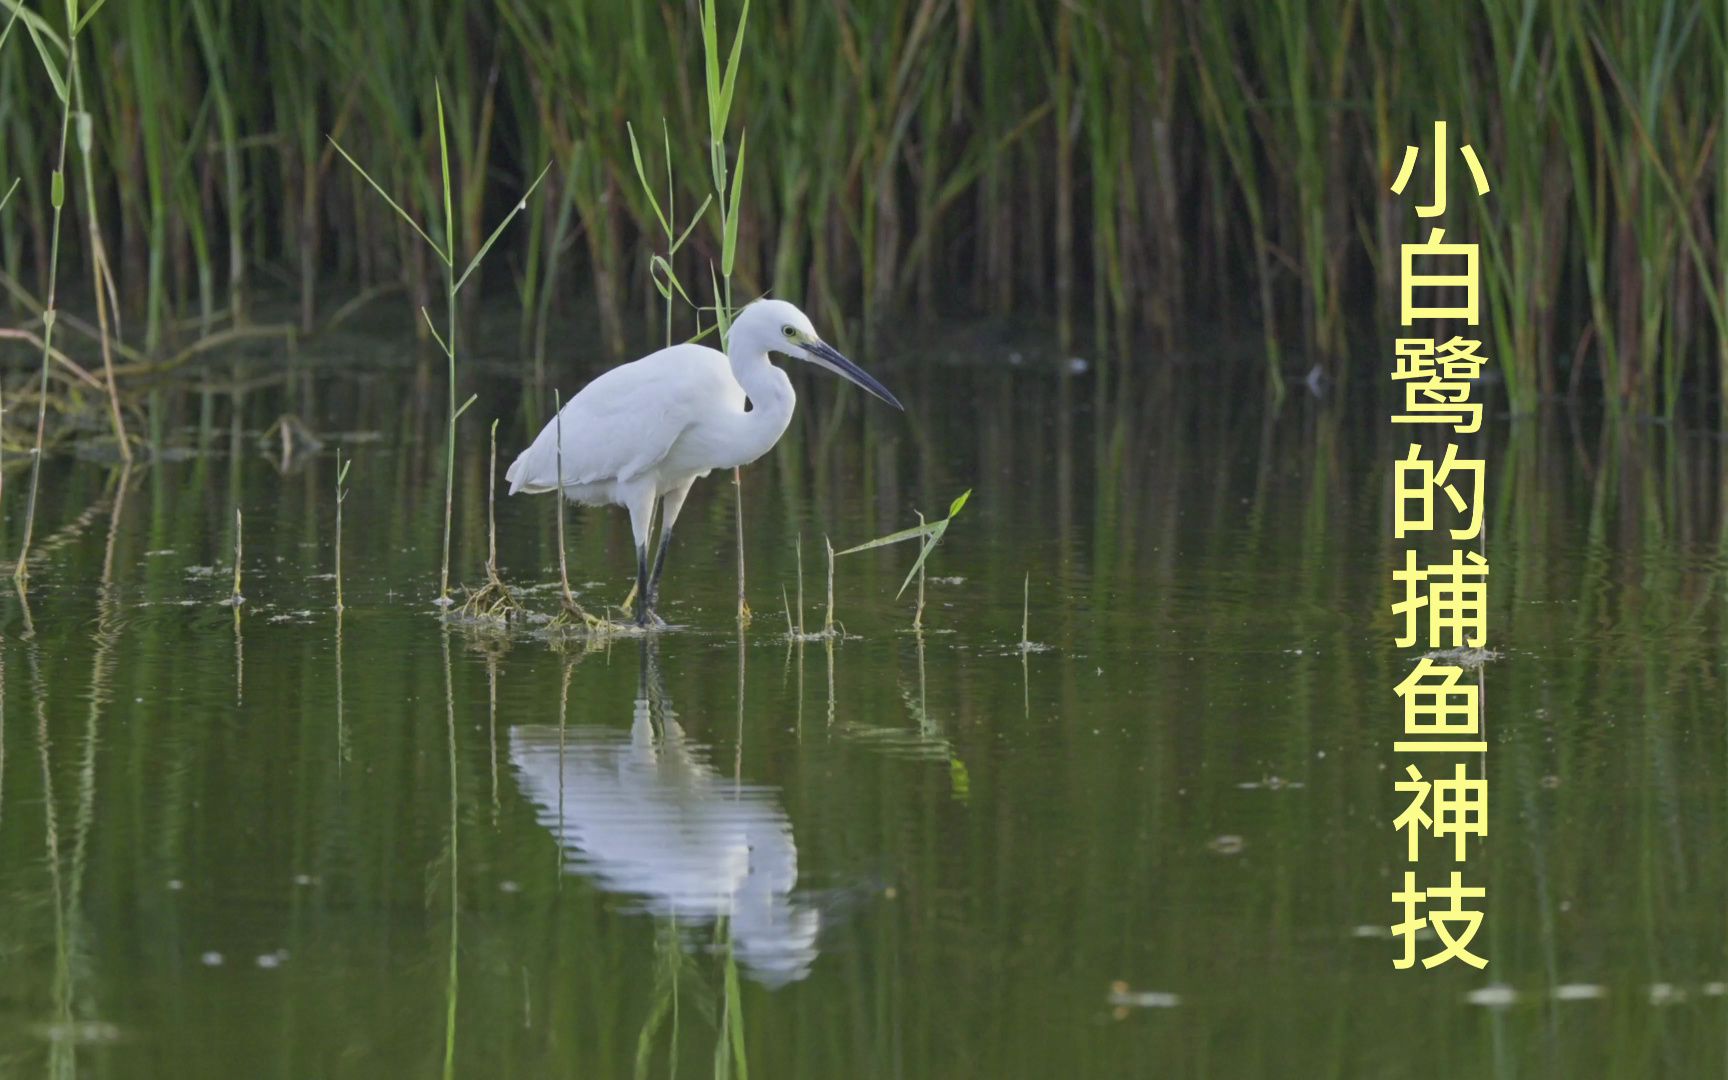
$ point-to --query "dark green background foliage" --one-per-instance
(1125, 168)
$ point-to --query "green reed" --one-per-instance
(446, 253)
(342, 468)
(62, 81)
(929, 534)
(234, 596)
(1107, 168)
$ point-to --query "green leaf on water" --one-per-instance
(916, 532)
(924, 553)
(931, 532)
(959, 780)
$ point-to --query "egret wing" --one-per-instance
(626, 421)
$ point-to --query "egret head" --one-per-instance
(777, 326)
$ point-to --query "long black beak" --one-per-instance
(829, 357)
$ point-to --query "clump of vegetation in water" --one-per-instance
(831, 629)
(493, 602)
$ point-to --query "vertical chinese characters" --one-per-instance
(1442, 606)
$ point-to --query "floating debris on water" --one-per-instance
(1125, 998)
(1464, 656)
(1496, 996)
(272, 960)
(80, 1031)
(211, 959)
(1270, 783)
(1499, 995)
(1227, 844)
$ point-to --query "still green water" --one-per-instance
(286, 844)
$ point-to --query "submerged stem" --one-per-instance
(569, 599)
(828, 619)
(239, 526)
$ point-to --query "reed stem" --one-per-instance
(569, 599)
(828, 618)
(341, 497)
(239, 550)
(57, 199)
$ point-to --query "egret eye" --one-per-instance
(790, 333)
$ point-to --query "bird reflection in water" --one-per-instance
(644, 815)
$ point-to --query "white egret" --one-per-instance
(642, 433)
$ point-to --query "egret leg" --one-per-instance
(669, 508)
(643, 608)
(641, 506)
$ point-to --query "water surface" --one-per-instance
(289, 844)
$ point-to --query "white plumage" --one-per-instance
(631, 421)
(643, 432)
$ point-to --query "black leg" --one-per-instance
(642, 585)
(659, 568)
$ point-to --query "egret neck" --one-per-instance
(753, 432)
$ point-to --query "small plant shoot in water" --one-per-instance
(342, 468)
(446, 253)
(931, 533)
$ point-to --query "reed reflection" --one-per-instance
(644, 814)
